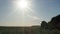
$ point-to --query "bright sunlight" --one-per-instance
(23, 4)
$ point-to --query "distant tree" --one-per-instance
(52, 27)
(44, 25)
(55, 22)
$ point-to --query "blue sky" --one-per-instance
(41, 10)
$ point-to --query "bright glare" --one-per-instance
(22, 4)
(22, 9)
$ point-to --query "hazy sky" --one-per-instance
(39, 10)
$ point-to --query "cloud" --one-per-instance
(34, 20)
(33, 17)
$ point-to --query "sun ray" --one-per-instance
(23, 8)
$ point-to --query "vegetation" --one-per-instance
(19, 30)
(52, 27)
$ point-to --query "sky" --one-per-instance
(40, 10)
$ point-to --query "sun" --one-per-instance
(22, 4)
